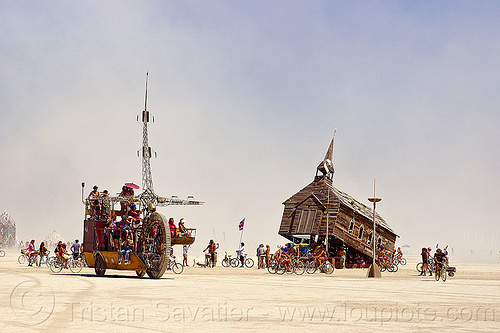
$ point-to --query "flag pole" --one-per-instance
(241, 233)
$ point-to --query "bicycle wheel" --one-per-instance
(249, 262)
(328, 267)
(443, 274)
(419, 267)
(225, 262)
(282, 268)
(75, 266)
(177, 268)
(273, 266)
(21, 259)
(300, 268)
(56, 266)
(437, 274)
(402, 261)
(235, 262)
(394, 268)
(382, 268)
(2, 253)
(311, 267)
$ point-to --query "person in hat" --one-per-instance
(94, 202)
(182, 229)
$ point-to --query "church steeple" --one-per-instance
(326, 166)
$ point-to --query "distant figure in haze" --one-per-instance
(31, 251)
(425, 261)
(268, 255)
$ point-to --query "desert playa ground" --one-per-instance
(248, 300)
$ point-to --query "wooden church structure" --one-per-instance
(350, 223)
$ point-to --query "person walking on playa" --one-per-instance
(185, 250)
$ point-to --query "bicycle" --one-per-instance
(430, 267)
(226, 262)
(175, 266)
(440, 272)
(248, 262)
(23, 257)
(399, 259)
(74, 266)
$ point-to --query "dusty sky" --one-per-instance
(246, 97)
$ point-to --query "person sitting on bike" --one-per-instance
(75, 249)
(62, 254)
(43, 252)
(32, 253)
(320, 254)
(439, 259)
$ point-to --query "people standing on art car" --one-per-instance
(126, 196)
(93, 197)
(105, 205)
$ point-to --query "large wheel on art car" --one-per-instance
(155, 244)
(100, 265)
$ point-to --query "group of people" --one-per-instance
(100, 203)
(180, 231)
(60, 251)
(439, 259)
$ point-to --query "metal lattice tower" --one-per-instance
(148, 195)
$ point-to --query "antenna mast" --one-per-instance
(148, 195)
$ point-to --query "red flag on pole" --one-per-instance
(240, 226)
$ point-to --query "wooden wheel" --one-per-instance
(100, 265)
(155, 244)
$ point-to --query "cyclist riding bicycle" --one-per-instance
(439, 259)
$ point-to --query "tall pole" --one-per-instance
(327, 221)
(374, 270)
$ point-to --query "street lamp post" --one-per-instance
(374, 270)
